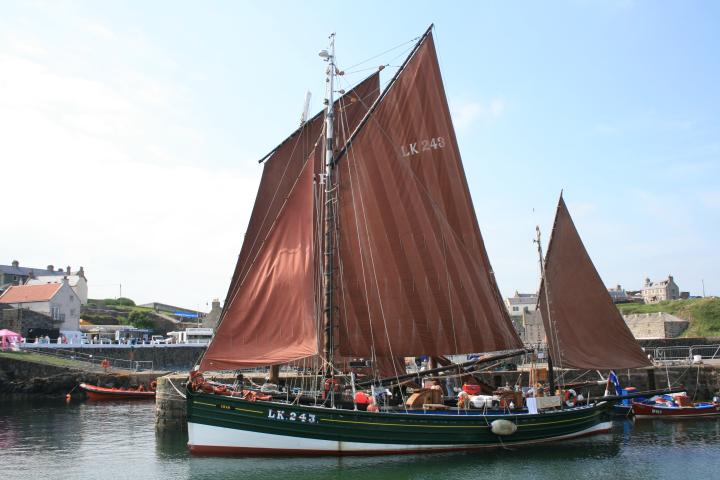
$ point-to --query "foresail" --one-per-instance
(583, 327)
(414, 274)
(271, 318)
(248, 332)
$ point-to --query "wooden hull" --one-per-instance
(101, 393)
(644, 410)
(222, 425)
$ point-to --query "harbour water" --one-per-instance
(49, 439)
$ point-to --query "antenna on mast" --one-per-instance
(306, 108)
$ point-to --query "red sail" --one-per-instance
(265, 317)
(584, 327)
(414, 274)
(272, 315)
(284, 165)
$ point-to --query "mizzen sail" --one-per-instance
(414, 274)
(583, 327)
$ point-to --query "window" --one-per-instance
(71, 298)
(72, 311)
(55, 313)
(515, 309)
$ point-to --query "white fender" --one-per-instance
(503, 427)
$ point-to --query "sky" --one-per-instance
(130, 131)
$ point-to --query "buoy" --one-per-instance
(503, 427)
(68, 397)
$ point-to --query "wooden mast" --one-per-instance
(329, 224)
(551, 372)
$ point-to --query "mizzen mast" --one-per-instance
(543, 280)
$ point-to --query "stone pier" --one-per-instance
(170, 407)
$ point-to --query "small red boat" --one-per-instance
(674, 406)
(102, 393)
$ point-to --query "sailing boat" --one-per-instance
(363, 243)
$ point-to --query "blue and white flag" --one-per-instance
(613, 380)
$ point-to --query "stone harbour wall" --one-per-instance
(19, 377)
(180, 358)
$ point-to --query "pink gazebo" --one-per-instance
(8, 337)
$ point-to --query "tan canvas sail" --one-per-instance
(414, 274)
(283, 167)
(584, 328)
(272, 314)
(266, 318)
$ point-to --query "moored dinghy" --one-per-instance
(404, 272)
(102, 393)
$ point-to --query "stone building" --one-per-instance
(57, 300)
(26, 322)
(212, 318)
(533, 330)
(618, 294)
(654, 292)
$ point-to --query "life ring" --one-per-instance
(220, 389)
(570, 397)
(153, 385)
(105, 364)
(250, 396)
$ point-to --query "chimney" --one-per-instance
(647, 282)
(81, 272)
(51, 268)
(60, 269)
(215, 303)
(15, 263)
(68, 270)
(65, 279)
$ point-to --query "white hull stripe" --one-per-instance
(221, 439)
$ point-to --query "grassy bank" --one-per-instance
(703, 314)
(44, 359)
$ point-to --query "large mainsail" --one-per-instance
(269, 312)
(414, 274)
(584, 328)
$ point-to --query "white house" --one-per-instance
(521, 303)
(57, 300)
(77, 282)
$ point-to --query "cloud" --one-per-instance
(466, 113)
(104, 169)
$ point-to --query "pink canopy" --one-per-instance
(8, 337)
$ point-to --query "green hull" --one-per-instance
(226, 425)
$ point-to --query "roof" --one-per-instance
(30, 293)
(45, 279)
(523, 299)
(25, 271)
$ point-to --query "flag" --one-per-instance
(613, 381)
